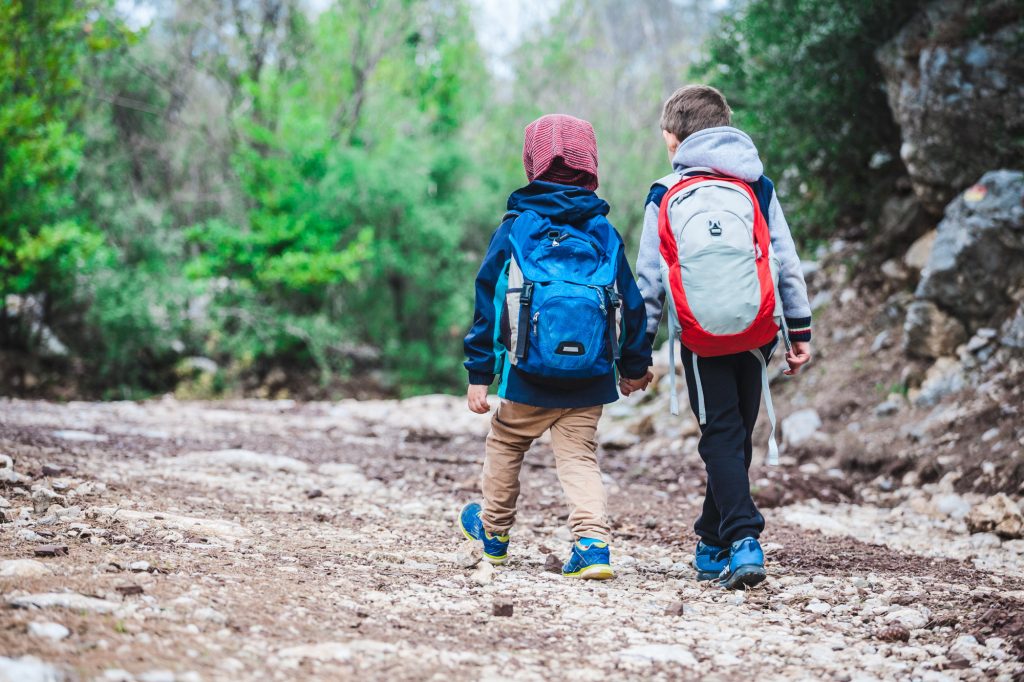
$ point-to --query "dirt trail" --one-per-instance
(272, 540)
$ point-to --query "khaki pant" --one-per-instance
(514, 427)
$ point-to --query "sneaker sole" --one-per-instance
(595, 572)
(495, 560)
(743, 577)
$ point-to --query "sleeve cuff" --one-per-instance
(799, 328)
(481, 378)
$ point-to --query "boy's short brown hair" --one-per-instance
(692, 108)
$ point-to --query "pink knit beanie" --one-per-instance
(562, 149)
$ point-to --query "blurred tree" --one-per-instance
(354, 166)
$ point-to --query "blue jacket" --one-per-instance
(485, 357)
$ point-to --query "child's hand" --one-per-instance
(476, 396)
(628, 386)
(798, 356)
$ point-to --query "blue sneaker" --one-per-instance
(746, 565)
(495, 546)
(590, 560)
(709, 561)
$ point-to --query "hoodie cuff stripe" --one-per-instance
(799, 328)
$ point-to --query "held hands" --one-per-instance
(628, 386)
(798, 356)
(476, 396)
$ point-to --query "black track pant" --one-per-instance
(731, 385)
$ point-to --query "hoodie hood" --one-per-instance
(561, 204)
(725, 150)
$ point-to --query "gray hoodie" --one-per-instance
(731, 152)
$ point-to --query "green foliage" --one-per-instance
(39, 155)
(353, 171)
(802, 78)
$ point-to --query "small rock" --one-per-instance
(157, 676)
(53, 470)
(128, 590)
(660, 653)
(564, 534)
(79, 436)
(882, 341)
(503, 609)
(888, 408)
(51, 550)
(23, 568)
(66, 600)
(929, 332)
(912, 619)
(484, 573)
(957, 662)
(48, 630)
(818, 606)
(314, 493)
(997, 514)
(951, 505)
(139, 566)
(893, 633)
(552, 564)
(676, 608)
(469, 554)
(42, 498)
(28, 669)
(800, 426)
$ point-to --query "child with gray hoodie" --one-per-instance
(696, 127)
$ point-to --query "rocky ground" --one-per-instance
(271, 540)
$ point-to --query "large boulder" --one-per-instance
(977, 261)
(955, 81)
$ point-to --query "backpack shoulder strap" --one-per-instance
(510, 215)
(668, 182)
(763, 190)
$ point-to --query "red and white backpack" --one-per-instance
(720, 274)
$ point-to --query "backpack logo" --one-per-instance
(570, 348)
(715, 228)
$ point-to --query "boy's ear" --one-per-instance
(671, 141)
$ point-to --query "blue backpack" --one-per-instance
(561, 317)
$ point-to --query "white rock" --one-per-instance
(80, 436)
(324, 651)
(242, 460)
(469, 554)
(30, 535)
(966, 646)
(157, 676)
(210, 527)
(484, 573)
(48, 630)
(800, 426)
(138, 566)
(911, 619)
(117, 675)
(66, 600)
(23, 568)
(211, 615)
(951, 505)
(660, 653)
(819, 607)
(28, 669)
